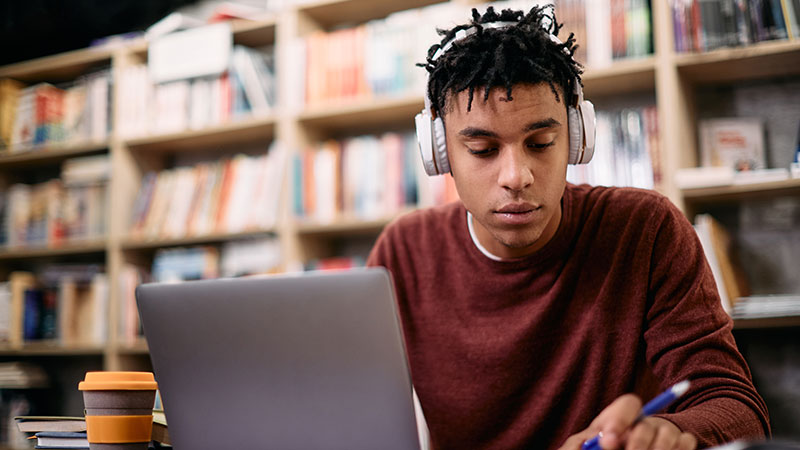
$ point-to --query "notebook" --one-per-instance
(312, 361)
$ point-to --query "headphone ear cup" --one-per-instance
(440, 147)
(589, 123)
(575, 124)
(425, 140)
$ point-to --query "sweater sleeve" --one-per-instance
(688, 336)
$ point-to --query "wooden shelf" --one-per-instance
(66, 249)
(364, 114)
(766, 322)
(230, 134)
(50, 154)
(345, 226)
(64, 66)
(252, 33)
(741, 191)
(51, 348)
(330, 13)
(151, 244)
(621, 77)
(762, 60)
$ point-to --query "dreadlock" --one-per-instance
(502, 57)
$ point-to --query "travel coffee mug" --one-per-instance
(119, 409)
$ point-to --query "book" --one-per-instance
(160, 431)
(732, 142)
(717, 246)
(61, 440)
(19, 283)
(9, 97)
(35, 424)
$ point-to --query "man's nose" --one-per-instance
(515, 175)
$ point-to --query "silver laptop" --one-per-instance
(304, 362)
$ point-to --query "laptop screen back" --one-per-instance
(297, 362)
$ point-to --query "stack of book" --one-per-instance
(246, 89)
(69, 209)
(43, 114)
(703, 25)
(626, 151)
(63, 432)
(762, 306)
(226, 196)
(20, 375)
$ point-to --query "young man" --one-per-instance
(533, 308)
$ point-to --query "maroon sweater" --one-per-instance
(524, 353)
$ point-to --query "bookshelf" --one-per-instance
(668, 76)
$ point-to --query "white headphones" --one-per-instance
(430, 131)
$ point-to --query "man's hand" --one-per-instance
(616, 422)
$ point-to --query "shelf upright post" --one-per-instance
(675, 103)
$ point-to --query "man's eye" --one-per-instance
(539, 146)
(481, 152)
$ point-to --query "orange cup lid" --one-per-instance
(118, 381)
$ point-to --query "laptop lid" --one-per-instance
(305, 362)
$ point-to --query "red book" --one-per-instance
(619, 45)
(224, 192)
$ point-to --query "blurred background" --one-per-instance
(177, 140)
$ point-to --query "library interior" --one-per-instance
(202, 139)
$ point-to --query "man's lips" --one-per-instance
(517, 214)
(517, 208)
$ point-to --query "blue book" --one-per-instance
(32, 314)
(61, 440)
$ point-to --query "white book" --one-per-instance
(240, 194)
(598, 33)
(325, 184)
(181, 202)
(245, 68)
(5, 311)
(25, 122)
(276, 167)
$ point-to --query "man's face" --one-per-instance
(509, 162)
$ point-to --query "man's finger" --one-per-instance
(574, 442)
(686, 442)
(666, 439)
(616, 419)
(641, 436)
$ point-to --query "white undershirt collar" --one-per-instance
(476, 242)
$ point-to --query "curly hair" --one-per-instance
(502, 57)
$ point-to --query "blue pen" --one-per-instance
(652, 407)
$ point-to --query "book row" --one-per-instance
(626, 151)
(63, 303)
(245, 89)
(225, 196)
(703, 25)
(68, 209)
(379, 58)
(44, 114)
(365, 177)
